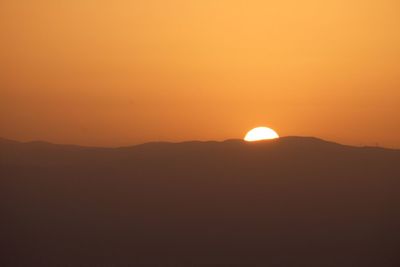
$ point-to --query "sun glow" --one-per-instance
(260, 133)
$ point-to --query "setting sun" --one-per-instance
(260, 133)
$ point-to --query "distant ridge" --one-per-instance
(7, 141)
(293, 201)
(298, 140)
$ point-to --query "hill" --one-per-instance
(295, 201)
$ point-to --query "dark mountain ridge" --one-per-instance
(295, 201)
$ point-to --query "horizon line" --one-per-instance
(196, 141)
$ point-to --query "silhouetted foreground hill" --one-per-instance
(289, 202)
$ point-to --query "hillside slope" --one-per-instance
(295, 201)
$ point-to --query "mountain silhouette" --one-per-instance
(293, 201)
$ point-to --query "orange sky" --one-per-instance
(121, 72)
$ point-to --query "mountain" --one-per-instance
(294, 201)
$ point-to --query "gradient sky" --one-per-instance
(125, 72)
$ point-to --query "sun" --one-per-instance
(260, 133)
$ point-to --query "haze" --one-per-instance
(123, 72)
